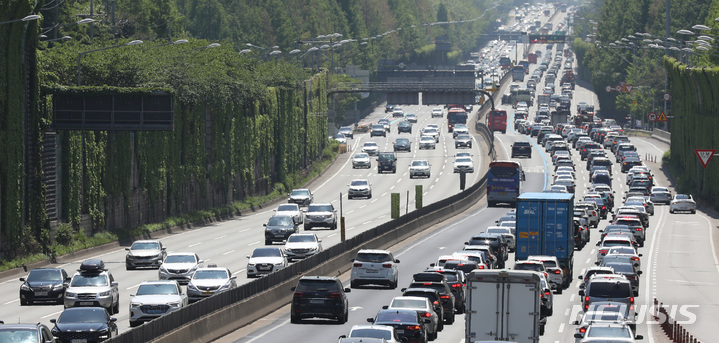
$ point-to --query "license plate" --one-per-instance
(372, 271)
(154, 311)
(40, 294)
(208, 293)
(78, 340)
(86, 303)
(317, 301)
(399, 332)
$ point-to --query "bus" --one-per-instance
(497, 120)
(456, 115)
(505, 62)
(504, 180)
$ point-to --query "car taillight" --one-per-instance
(603, 251)
(387, 265)
(436, 303)
(427, 284)
(299, 295)
(639, 229)
(334, 295)
(631, 300)
(604, 207)
(594, 213)
(582, 330)
(426, 314)
(634, 258)
(357, 265)
(480, 267)
(457, 285)
(413, 327)
(586, 300)
(547, 292)
(557, 271)
(444, 296)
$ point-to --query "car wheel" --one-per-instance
(694, 211)
(116, 308)
(269, 242)
(440, 325)
(134, 324)
(334, 226)
(129, 267)
(541, 330)
(308, 228)
(370, 196)
(559, 289)
(450, 320)
(24, 302)
(294, 320)
(636, 293)
(671, 211)
(550, 311)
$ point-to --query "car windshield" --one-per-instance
(287, 207)
(359, 156)
(181, 259)
(320, 208)
(300, 192)
(427, 139)
(610, 331)
(85, 315)
(497, 230)
(402, 140)
(280, 221)
(18, 335)
(396, 317)
(408, 303)
(267, 252)
(359, 183)
(370, 144)
(301, 238)
(98, 280)
(463, 160)
(616, 243)
(419, 163)
(612, 290)
(619, 267)
(603, 316)
(371, 333)
(682, 197)
(373, 257)
(463, 136)
(306, 285)
(44, 275)
(212, 274)
(157, 289)
(430, 130)
(529, 266)
(145, 246)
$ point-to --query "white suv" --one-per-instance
(321, 214)
(375, 267)
(154, 299)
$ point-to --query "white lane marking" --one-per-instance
(220, 237)
(572, 298)
(367, 222)
(51, 314)
(350, 211)
(229, 252)
(244, 230)
(239, 271)
(391, 188)
(10, 302)
(330, 235)
(350, 228)
(399, 180)
(561, 328)
(363, 206)
(194, 244)
(588, 260)
(253, 243)
(269, 331)
(132, 287)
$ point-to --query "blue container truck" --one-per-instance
(545, 226)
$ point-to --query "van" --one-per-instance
(387, 161)
(608, 287)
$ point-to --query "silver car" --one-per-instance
(361, 160)
(375, 267)
(93, 289)
(684, 203)
(154, 299)
(179, 266)
(302, 197)
(145, 253)
(661, 195)
(463, 165)
(370, 148)
(359, 188)
(419, 168)
(321, 214)
(302, 245)
(209, 281)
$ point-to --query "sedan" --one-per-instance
(145, 253)
(370, 148)
(179, 266)
(385, 333)
(347, 131)
(683, 202)
(427, 142)
(292, 210)
(463, 140)
(437, 112)
(43, 284)
(402, 144)
(340, 138)
(302, 245)
(463, 165)
(419, 168)
(302, 197)
(361, 160)
(92, 323)
(422, 306)
(404, 126)
(210, 281)
(278, 228)
(265, 261)
(409, 325)
(359, 188)
(412, 118)
(661, 195)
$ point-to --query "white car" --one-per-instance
(340, 138)
(385, 333)
(431, 132)
(437, 112)
(683, 202)
(292, 210)
(154, 299)
(427, 142)
(370, 148)
(361, 160)
(374, 267)
(556, 189)
(554, 271)
(506, 232)
(209, 281)
(359, 188)
(179, 266)
(419, 168)
(265, 260)
(463, 164)
(608, 332)
(302, 245)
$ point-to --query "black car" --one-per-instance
(434, 298)
(628, 163)
(404, 126)
(402, 144)
(44, 284)
(455, 279)
(521, 148)
(319, 297)
(86, 324)
(388, 108)
(25, 333)
(410, 326)
(437, 281)
(387, 161)
(279, 228)
(496, 242)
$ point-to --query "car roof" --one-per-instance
(159, 282)
(317, 277)
(373, 251)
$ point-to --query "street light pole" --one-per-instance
(26, 18)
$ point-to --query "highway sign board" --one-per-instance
(705, 155)
(652, 116)
(667, 97)
(662, 117)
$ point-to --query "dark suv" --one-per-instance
(456, 280)
(437, 281)
(434, 298)
(387, 161)
(521, 149)
(319, 297)
(496, 242)
(44, 284)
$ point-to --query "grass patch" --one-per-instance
(76, 241)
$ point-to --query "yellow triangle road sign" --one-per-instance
(662, 117)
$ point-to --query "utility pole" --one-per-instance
(666, 52)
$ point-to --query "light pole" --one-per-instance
(56, 27)
(179, 41)
(26, 18)
(79, 56)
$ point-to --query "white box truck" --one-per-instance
(503, 305)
